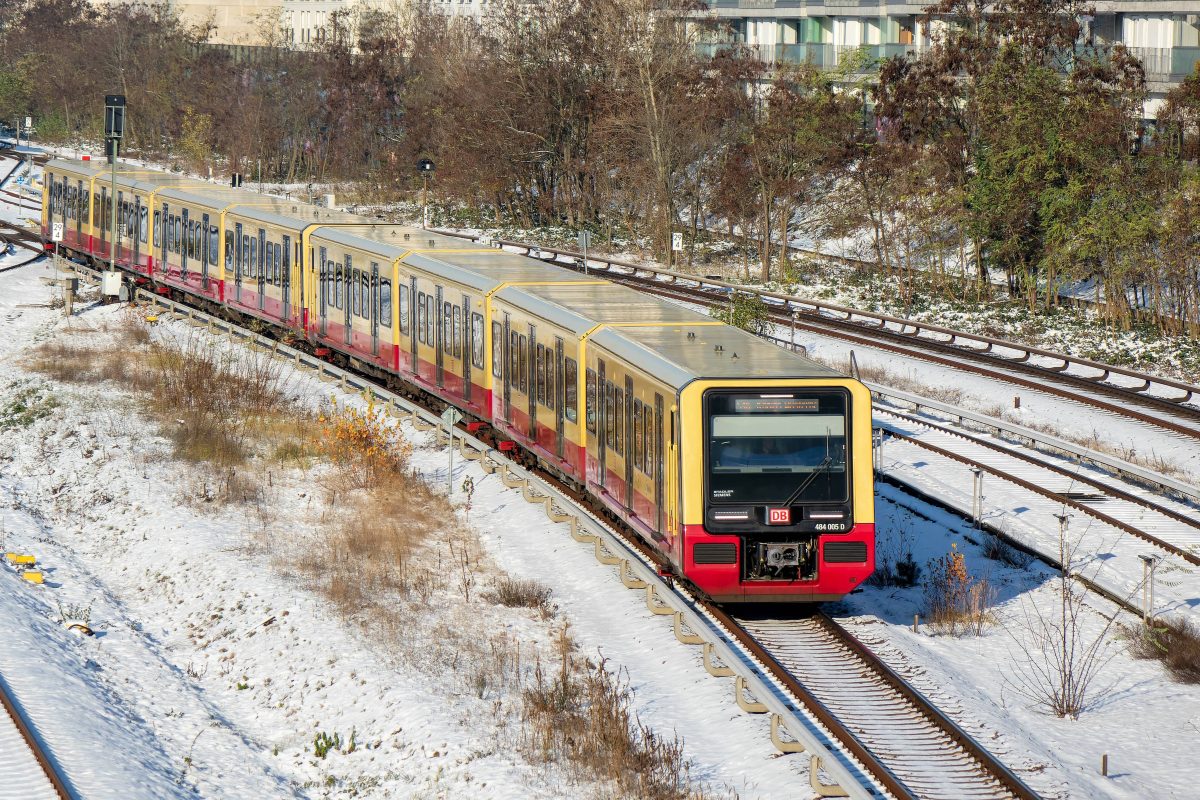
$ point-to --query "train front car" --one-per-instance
(779, 505)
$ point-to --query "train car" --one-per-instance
(79, 195)
(744, 467)
(767, 493)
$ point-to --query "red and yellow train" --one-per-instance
(746, 467)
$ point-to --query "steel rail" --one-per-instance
(817, 320)
(848, 761)
(1046, 442)
(855, 770)
(884, 676)
(1114, 491)
(909, 347)
(1186, 555)
(23, 725)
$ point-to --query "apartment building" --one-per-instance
(1165, 34)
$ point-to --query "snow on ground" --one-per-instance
(214, 666)
(219, 667)
(1142, 720)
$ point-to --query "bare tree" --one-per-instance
(1059, 663)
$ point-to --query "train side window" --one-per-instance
(448, 328)
(420, 321)
(458, 344)
(229, 245)
(385, 303)
(550, 378)
(404, 309)
(431, 318)
(497, 350)
(278, 264)
(589, 413)
(619, 411)
(523, 353)
(638, 444)
(610, 423)
(651, 443)
(144, 224)
(158, 229)
(514, 359)
(570, 389)
(364, 288)
(477, 340)
(540, 373)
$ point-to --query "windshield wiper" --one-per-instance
(822, 467)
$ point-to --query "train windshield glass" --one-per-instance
(771, 448)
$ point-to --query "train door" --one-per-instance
(560, 400)
(103, 221)
(345, 291)
(628, 448)
(136, 229)
(468, 350)
(259, 264)
(82, 203)
(184, 246)
(208, 250)
(416, 321)
(323, 294)
(510, 356)
(374, 308)
(655, 459)
(239, 264)
(439, 336)
(604, 398)
(164, 234)
(528, 365)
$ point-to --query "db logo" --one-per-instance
(779, 516)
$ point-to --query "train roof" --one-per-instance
(680, 354)
(579, 306)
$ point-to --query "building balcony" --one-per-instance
(1168, 64)
(821, 55)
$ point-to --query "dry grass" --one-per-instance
(215, 406)
(1174, 642)
(956, 603)
(516, 593)
(580, 717)
(386, 550)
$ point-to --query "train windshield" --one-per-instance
(777, 448)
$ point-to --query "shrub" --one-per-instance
(363, 444)
(1176, 643)
(516, 593)
(956, 603)
(748, 312)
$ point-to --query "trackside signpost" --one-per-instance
(451, 417)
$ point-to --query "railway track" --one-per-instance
(1176, 414)
(1161, 402)
(26, 772)
(1173, 527)
(930, 755)
(927, 754)
(864, 761)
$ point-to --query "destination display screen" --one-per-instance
(775, 405)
